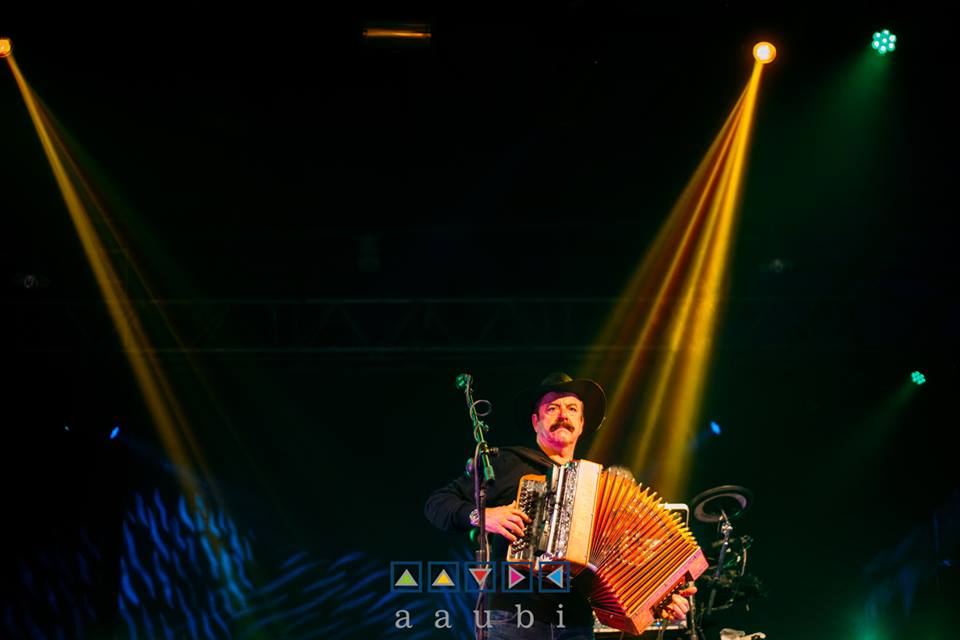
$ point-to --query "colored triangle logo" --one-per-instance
(443, 580)
(514, 577)
(480, 574)
(556, 577)
(406, 580)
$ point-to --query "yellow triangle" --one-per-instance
(443, 580)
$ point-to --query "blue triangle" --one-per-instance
(556, 577)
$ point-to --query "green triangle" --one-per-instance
(406, 580)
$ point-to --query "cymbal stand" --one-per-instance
(726, 529)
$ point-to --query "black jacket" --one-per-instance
(449, 509)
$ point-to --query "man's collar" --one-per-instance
(536, 456)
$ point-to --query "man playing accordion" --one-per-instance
(560, 410)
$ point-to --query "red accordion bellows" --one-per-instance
(638, 552)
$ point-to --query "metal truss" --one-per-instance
(428, 326)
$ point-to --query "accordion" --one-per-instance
(638, 552)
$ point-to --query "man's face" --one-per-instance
(559, 419)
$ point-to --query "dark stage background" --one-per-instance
(340, 229)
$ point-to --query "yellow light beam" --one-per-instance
(693, 199)
(660, 314)
(147, 371)
(623, 317)
(677, 342)
(87, 190)
(698, 322)
(193, 451)
(172, 402)
(691, 255)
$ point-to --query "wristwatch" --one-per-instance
(474, 518)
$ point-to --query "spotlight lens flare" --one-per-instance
(884, 42)
(764, 52)
(715, 428)
(115, 432)
(917, 378)
(5, 47)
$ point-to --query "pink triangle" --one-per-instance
(480, 574)
(515, 577)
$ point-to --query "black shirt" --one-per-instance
(449, 509)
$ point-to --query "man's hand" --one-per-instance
(678, 606)
(508, 521)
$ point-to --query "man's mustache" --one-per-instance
(562, 425)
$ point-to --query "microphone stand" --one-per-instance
(481, 460)
(692, 617)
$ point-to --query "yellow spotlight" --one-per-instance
(397, 34)
(5, 47)
(375, 32)
(764, 52)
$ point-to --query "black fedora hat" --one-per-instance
(589, 392)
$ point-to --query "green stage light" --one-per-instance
(917, 378)
(884, 42)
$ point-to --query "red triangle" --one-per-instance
(480, 574)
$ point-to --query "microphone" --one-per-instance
(494, 451)
(464, 380)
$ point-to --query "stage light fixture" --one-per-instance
(396, 34)
(5, 47)
(764, 52)
(918, 378)
(715, 428)
(115, 432)
(884, 42)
